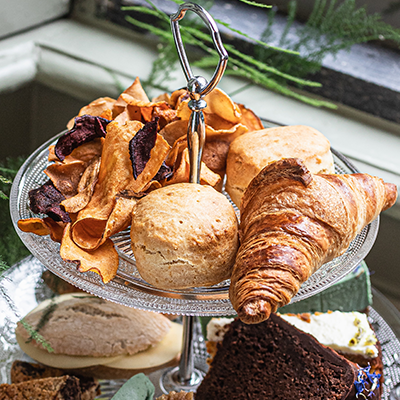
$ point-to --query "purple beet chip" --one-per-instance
(46, 200)
(140, 148)
(86, 128)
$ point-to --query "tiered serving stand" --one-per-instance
(128, 288)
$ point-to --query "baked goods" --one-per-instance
(350, 334)
(22, 371)
(292, 222)
(274, 360)
(251, 152)
(184, 235)
(117, 151)
(61, 388)
(177, 396)
(93, 337)
(351, 293)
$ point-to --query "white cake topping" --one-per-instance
(216, 328)
(347, 332)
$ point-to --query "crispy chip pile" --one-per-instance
(114, 153)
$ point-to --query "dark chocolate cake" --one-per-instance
(274, 360)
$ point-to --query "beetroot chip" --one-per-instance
(46, 200)
(165, 172)
(86, 128)
(140, 148)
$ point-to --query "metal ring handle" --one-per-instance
(198, 87)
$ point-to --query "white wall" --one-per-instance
(18, 15)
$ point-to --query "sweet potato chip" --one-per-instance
(52, 155)
(162, 97)
(100, 107)
(249, 119)
(87, 152)
(178, 96)
(56, 229)
(114, 176)
(182, 172)
(225, 134)
(174, 131)
(121, 216)
(46, 200)
(43, 227)
(85, 188)
(34, 225)
(218, 103)
(215, 153)
(104, 260)
(66, 177)
(86, 128)
(138, 110)
(135, 91)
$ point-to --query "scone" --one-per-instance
(251, 152)
(184, 235)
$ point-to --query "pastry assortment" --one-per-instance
(125, 163)
(116, 152)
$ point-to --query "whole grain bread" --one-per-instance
(22, 371)
(90, 326)
(59, 388)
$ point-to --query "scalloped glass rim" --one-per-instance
(129, 289)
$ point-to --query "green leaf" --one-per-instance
(253, 3)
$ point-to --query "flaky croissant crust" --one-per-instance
(292, 222)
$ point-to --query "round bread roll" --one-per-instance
(93, 337)
(184, 235)
(251, 152)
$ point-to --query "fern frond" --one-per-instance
(34, 334)
(253, 3)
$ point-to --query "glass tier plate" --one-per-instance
(129, 289)
(24, 285)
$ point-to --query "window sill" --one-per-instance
(86, 62)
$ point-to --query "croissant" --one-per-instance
(292, 222)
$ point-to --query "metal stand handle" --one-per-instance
(197, 86)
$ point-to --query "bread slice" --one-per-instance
(60, 388)
(22, 371)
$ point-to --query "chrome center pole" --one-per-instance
(186, 377)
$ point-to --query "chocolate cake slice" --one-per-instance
(275, 360)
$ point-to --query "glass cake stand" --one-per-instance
(128, 288)
(23, 283)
